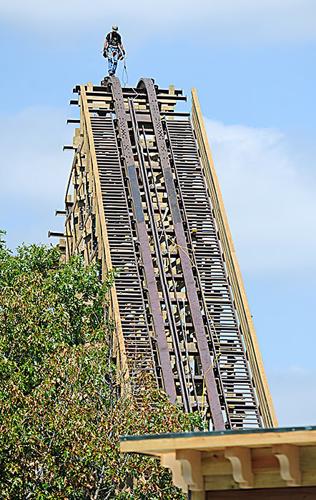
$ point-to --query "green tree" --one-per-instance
(61, 412)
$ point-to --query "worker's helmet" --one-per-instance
(114, 27)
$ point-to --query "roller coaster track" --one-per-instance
(143, 198)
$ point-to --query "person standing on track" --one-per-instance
(113, 49)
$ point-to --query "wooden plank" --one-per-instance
(104, 236)
(209, 442)
(239, 293)
(308, 458)
(215, 464)
(264, 494)
(198, 495)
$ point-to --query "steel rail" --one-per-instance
(145, 250)
(173, 326)
(210, 327)
(193, 192)
(205, 357)
(165, 237)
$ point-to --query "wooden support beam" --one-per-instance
(168, 460)
(190, 461)
(239, 293)
(72, 120)
(56, 234)
(185, 466)
(308, 493)
(289, 460)
(104, 248)
(198, 495)
(240, 459)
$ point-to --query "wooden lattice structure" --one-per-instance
(143, 198)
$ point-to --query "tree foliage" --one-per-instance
(61, 412)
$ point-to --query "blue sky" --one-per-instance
(253, 64)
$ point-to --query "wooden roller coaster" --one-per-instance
(143, 198)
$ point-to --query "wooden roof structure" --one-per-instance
(262, 463)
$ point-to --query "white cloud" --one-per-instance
(263, 20)
(33, 172)
(33, 164)
(269, 196)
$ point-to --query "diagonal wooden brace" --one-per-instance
(289, 460)
(240, 459)
(185, 466)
